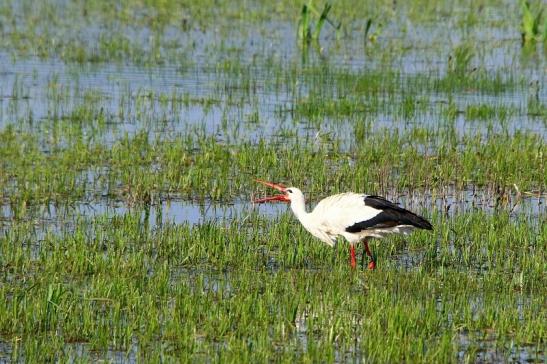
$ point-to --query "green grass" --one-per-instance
(534, 26)
(487, 112)
(235, 290)
(136, 169)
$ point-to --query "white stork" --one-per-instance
(357, 217)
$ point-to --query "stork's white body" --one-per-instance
(334, 214)
(354, 216)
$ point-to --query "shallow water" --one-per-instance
(34, 93)
(167, 212)
(448, 201)
(486, 350)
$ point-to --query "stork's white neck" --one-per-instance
(298, 207)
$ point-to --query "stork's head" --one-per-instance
(289, 194)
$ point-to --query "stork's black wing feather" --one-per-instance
(391, 215)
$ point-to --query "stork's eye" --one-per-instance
(289, 191)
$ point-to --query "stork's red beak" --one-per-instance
(277, 186)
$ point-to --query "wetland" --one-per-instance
(131, 133)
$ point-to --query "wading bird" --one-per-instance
(356, 217)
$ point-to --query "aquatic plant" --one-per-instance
(533, 25)
(307, 32)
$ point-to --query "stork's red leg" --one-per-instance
(363, 259)
(372, 263)
(353, 261)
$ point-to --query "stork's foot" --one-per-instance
(372, 263)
